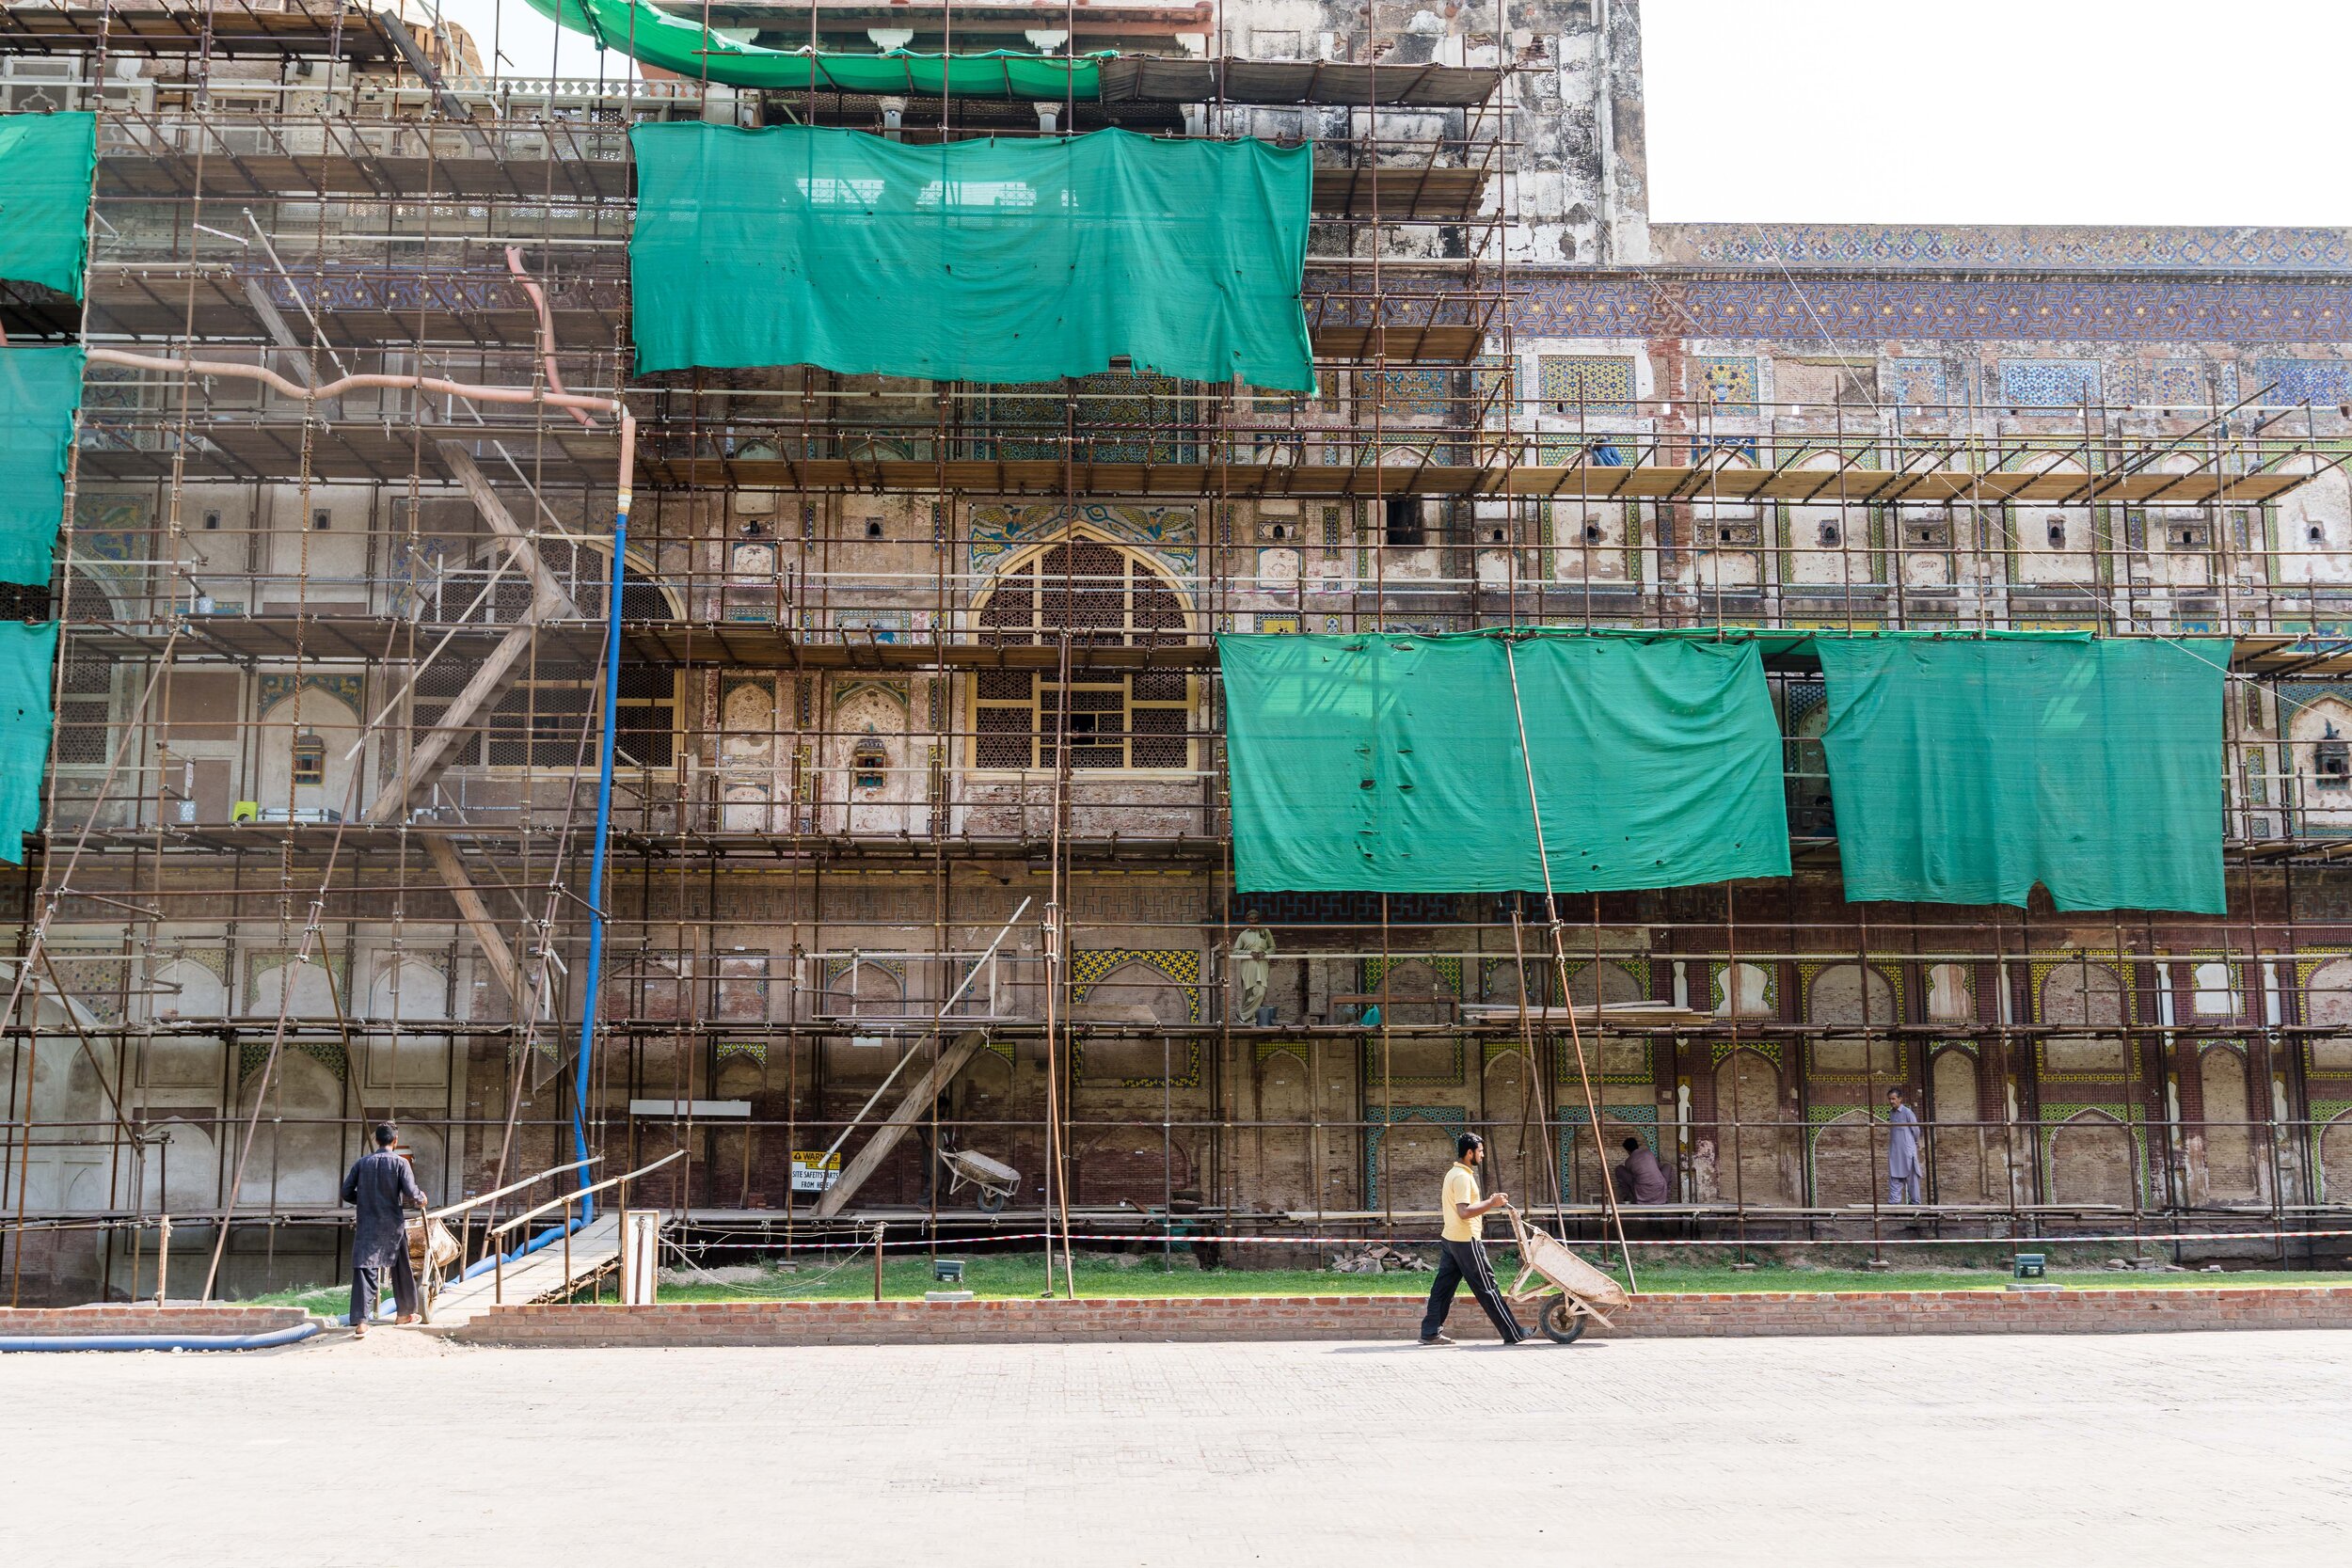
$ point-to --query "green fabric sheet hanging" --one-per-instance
(27, 651)
(46, 162)
(656, 38)
(1391, 763)
(39, 390)
(1963, 771)
(977, 260)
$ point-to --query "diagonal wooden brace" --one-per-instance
(894, 1127)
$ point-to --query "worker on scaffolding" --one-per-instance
(1904, 1170)
(1466, 1250)
(381, 1187)
(1253, 950)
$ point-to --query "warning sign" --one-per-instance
(814, 1170)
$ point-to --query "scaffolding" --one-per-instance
(897, 657)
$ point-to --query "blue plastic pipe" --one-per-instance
(604, 833)
(595, 899)
(157, 1341)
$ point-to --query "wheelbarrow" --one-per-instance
(1582, 1290)
(996, 1180)
(432, 1251)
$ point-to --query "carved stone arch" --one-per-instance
(1136, 990)
(2313, 524)
(2083, 993)
(1848, 993)
(1755, 1146)
(305, 736)
(1866, 999)
(1849, 1158)
(1282, 1145)
(2226, 1131)
(298, 1144)
(2326, 999)
(1970, 1159)
(1517, 1121)
(407, 989)
(2319, 758)
(1416, 992)
(181, 1171)
(2335, 1159)
(2090, 1158)
(873, 988)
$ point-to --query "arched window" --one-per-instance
(1103, 596)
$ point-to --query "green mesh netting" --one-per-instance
(39, 390)
(656, 38)
(45, 166)
(978, 261)
(1391, 763)
(1965, 771)
(27, 653)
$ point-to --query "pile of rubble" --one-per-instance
(1380, 1259)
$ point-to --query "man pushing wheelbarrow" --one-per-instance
(1583, 1290)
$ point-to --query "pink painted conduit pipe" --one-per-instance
(578, 404)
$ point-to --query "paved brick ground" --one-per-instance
(2084, 1450)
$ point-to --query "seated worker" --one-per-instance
(1642, 1178)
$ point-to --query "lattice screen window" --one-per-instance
(86, 696)
(579, 569)
(1102, 595)
(84, 704)
(539, 724)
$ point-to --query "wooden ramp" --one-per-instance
(534, 1278)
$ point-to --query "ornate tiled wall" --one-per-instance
(2069, 246)
(2050, 383)
(1598, 385)
(1807, 310)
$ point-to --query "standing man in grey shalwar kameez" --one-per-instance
(1905, 1173)
(381, 1186)
(1251, 949)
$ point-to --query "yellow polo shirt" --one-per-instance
(1461, 1186)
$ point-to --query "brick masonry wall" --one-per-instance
(147, 1319)
(989, 1322)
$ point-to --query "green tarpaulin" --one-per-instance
(1391, 763)
(45, 166)
(657, 38)
(1965, 771)
(39, 390)
(978, 261)
(28, 651)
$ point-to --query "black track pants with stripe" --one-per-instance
(1466, 1261)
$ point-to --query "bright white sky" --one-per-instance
(528, 40)
(1907, 111)
(1999, 111)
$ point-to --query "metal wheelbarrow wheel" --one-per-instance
(992, 1199)
(1561, 1324)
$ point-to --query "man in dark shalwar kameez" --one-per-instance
(381, 1186)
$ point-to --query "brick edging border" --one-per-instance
(175, 1321)
(1284, 1317)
